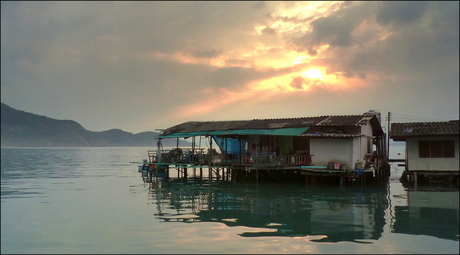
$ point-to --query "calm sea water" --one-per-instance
(92, 200)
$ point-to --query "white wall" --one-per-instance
(343, 151)
(331, 150)
(366, 140)
(433, 164)
(357, 150)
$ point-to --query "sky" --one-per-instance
(142, 66)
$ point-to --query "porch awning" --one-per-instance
(277, 131)
(178, 135)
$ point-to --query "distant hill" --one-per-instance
(23, 129)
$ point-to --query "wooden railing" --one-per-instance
(295, 159)
(202, 156)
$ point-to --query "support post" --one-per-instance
(210, 160)
(210, 174)
(313, 180)
(388, 136)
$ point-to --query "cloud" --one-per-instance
(206, 53)
(400, 13)
(335, 28)
(240, 76)
(297, 82)
(269, 31)
(133, 65)
(368, 39)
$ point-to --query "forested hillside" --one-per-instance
(23, 129)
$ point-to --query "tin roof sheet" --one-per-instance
(278, 131)
(345, 120)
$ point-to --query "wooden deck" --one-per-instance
(178, 164)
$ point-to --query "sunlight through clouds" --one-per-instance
(286, 21)
(202, 59)
(313, 73)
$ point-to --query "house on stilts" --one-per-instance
(432, 150)
(334, 148)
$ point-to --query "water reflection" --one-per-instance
(353, 214)
(429, 211)
(33, 172)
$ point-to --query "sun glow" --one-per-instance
(313, 73)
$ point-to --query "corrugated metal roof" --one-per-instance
(399, 131)
(196, 126)
(278, 131)
(345, 120)
(338, 120)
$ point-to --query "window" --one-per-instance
(448, 149)
(436, 149)
(424, 149)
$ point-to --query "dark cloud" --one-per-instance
(269, 31)
(297, 82)
(386, 38)
(258, 5)
(401, 12)
(206, 53)
(291, 19)
(238, 62)
(423, 47)
(336, 29)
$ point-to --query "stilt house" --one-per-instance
(303, 141)
(431, 147)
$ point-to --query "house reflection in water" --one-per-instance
(432, 212)
(350, 215)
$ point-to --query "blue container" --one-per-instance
(143, 168)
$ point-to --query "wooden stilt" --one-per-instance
(210, 175)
